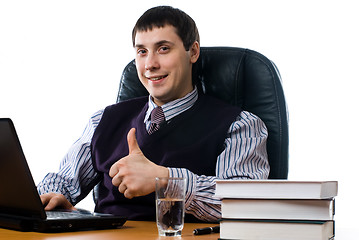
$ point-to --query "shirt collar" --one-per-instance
(175, 107)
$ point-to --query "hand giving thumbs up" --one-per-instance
(134, 174)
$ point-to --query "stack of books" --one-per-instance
(277, 209)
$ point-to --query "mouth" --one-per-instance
(157, 78)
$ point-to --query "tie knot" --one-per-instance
(157, 117)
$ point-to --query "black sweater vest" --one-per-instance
(191, 140)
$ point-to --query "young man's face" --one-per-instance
(163, 65)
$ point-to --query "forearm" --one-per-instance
(58, 183)
(75, 177)
(73, 185)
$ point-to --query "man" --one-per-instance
(202, 138)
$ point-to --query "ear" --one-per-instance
(194, 51)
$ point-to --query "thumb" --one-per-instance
(132, 142)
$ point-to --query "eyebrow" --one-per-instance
(159, 43)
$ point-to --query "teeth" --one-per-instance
(157, 78)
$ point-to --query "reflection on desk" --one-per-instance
(130, 230)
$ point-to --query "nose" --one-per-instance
(151, 62)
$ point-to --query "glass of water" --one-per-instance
(170, 199)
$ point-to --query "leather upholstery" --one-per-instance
(241, 77)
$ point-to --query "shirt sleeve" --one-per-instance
(76, 176)
(244, 157)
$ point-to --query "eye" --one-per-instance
(141, 51)
(163, 49)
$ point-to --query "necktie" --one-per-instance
(157, 118)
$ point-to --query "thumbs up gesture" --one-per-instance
(134, 174)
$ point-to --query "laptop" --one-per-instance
(20, 204)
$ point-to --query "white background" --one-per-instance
(61, 61)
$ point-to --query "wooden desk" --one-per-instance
(130, 230)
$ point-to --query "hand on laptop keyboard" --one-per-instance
(52, 201)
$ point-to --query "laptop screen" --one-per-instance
(17, 188)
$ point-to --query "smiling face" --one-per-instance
(163, 65)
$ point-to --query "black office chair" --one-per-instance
(240, 77)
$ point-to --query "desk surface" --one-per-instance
(130, 230)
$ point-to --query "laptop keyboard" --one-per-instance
(65, 215)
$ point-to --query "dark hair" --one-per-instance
(165, 15)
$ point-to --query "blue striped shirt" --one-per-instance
(244, 156)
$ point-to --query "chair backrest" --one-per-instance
(240, 77)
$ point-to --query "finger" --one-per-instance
(122, 188)
(58, 201)
(116, 180)
(128, 194)
(113, 170)
(52, 204)
(45, 198)
(132, 142)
